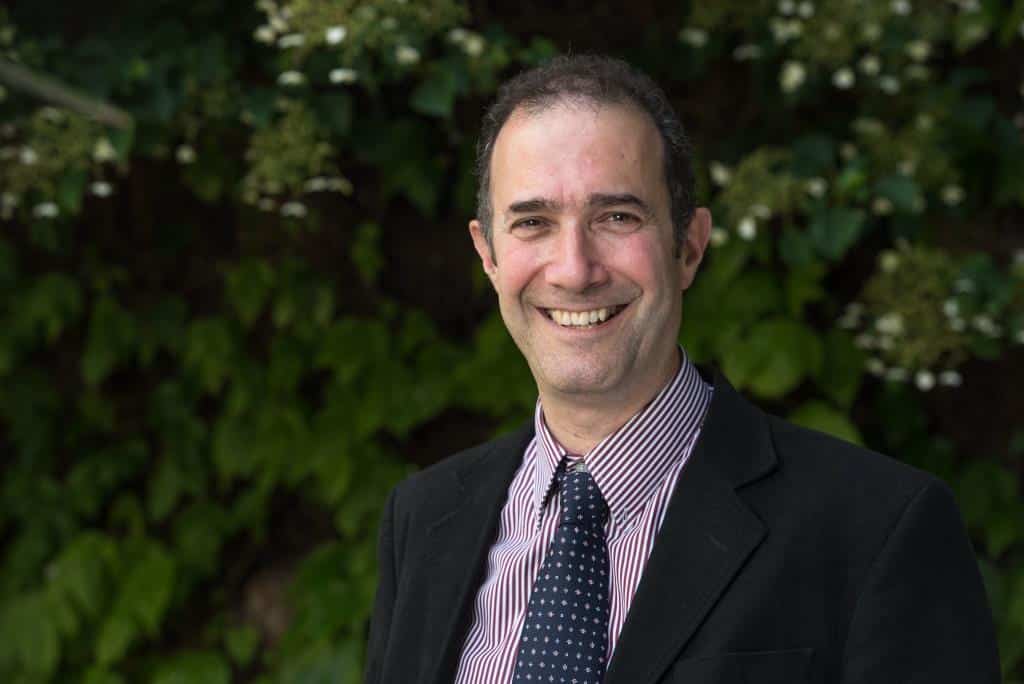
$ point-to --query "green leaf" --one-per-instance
(818, 415)
(773, 358)
(833, 231)
(197, 667)
(146, 590)
(436, 95)
(116, 634)
(241, 644)
(70, 190)
(901, 190)
(812, 155)
(842, 371)
(803, 287)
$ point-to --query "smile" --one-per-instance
(583, 319)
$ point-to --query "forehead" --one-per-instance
(570, 150)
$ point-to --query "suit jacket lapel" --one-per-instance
(707, 535)
(458, 542)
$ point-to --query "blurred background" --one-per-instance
(239, 300)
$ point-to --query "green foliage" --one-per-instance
(228, 329)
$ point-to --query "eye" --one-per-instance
(530, 223)
(620, 219)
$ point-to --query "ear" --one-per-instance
(697, 236)
(483, 248)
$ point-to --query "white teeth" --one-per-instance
(579, 318)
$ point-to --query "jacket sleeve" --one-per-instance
(387, 577)
(923, 615)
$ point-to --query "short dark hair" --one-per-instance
(601, 80)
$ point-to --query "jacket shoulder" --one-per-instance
(830, 459)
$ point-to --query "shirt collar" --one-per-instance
(630, 463)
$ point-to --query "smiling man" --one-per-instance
(648, 524)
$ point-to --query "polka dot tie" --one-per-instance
(565, 633)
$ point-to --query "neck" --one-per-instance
(580, 422)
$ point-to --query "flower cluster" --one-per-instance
(49, 159)
(922, 314)
(350, 34)
(288, 160)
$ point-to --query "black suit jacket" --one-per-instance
(785, 556)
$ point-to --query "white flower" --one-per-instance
(907, 167)
(843, 78)
(265, 204)
(1018, 257)
(870, 65)
(474, 45)
(896, 374)
(882, 206)
(335, 34)
(746, 52)
(185, 154)
(950, 378)
(101, 189)
(925, 380)
(28, 156)
(816, 187)
(343, 75)
(293, 209)
(952, 195)
(291, 78)
(784, 30)
(806, 9)
(890, 85)
(265, 34)
(694, 37)
(278, 24)
(951, 308)
(986, 326)
(871, 31)
(761, 211)
(957, 324)
(747, 228)
(919, 50)
(45, 210)
(889, 260)
(875, 366)
(339, 184)
(925, 122)
(963, 285)
(406, 54)
(900, 7)
(890, 324)
(291, 40)
(103, 151)
(1019, 336)
(787, 6)
(847, 151)
(720, 173)
(316, 184)
(864, 341)
(719, 236)
(792, 76)
(457, 35)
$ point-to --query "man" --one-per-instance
(650, 525)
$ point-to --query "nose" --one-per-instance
(575, 263)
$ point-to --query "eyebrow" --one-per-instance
(596, 200)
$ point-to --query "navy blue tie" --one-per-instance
(565, 633)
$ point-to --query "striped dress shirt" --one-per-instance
(636, 468)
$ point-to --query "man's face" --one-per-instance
(583, 256)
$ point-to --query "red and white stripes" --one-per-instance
(635, 467)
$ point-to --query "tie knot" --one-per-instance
(582, 503)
